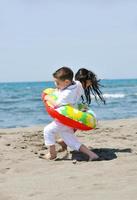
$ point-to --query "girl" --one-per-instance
(91, 85)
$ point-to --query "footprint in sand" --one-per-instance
(5, 170)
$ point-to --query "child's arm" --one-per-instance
(63, 99)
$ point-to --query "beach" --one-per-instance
(24, 176)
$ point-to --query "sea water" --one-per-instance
(21, 104)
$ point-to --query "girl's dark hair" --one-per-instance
(83, 75)
(64, 73)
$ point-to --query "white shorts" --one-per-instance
(65, 132)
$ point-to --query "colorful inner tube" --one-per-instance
(68, 115)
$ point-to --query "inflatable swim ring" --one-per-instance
(68, 115)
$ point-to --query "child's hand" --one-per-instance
(49, 98)
(83, 107)
(43, 96)
(46, 98)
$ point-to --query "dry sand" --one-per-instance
(24, 176)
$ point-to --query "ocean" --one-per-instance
(21, 105)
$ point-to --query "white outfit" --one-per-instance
(70, 95)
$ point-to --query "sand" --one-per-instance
(24, 176)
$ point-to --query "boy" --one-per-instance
(69, 92)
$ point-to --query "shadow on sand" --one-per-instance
(103, 153)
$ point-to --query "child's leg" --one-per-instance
(49, 137)
(71, 140)
(52, 153)
(63, 144)
(91, 154)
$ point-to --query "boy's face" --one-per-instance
(61, 84)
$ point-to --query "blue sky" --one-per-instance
(39, 36)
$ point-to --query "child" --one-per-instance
(90, 85)
(69, 92)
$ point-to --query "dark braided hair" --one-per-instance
(83, 75)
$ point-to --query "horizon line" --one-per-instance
(34, 81)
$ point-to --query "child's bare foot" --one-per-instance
(93, 156)
(48, 156)
(63, 145)
(62, 149)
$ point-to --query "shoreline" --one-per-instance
(40, 126)
(23, 175)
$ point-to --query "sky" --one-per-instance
(39, 36)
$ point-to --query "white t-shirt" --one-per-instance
(70, 95)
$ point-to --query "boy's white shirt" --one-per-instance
(70, 95)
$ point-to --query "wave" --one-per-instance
(114, 95)
(9, 101)
(117, 95)
(109, 95)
